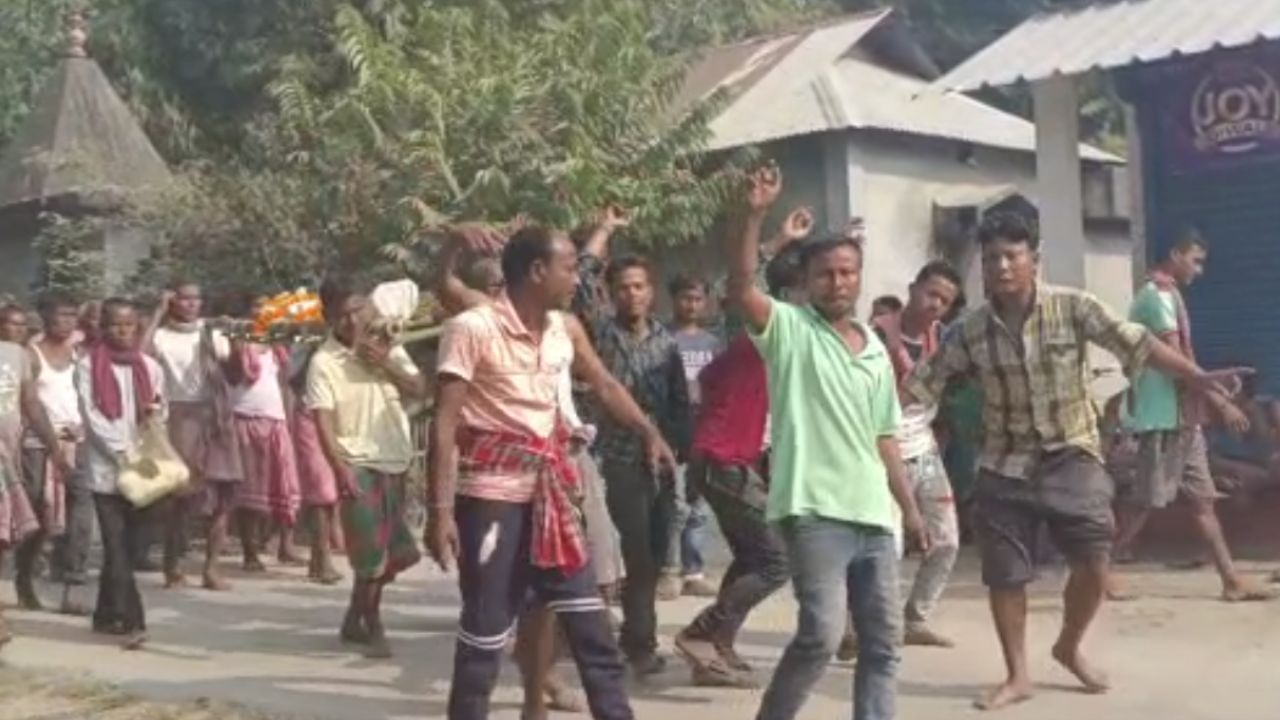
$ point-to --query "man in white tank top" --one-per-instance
(189, 353)
(62, 500)
(19, 408)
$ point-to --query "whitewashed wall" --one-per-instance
(893, 188)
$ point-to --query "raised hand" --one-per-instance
(855, 229)
(478, 238)
(763, 188)
(612, 218)
(798, 224)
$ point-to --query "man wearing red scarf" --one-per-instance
(1168, 417)
(119, 389)
(515, 522)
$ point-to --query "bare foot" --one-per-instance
(378, 647)
(1117, 592)
(135, 640)
(1011, 692)
(290, 560)
(73, 608)
(5, 634)
(254, 565)
(924, 636)
(562, 699)
(175, 580)
(1094, 680)
(212, 582)
(353, 633)
(329, 576)
(27, 597)
(1244, 590)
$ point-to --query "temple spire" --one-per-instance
(77, 34)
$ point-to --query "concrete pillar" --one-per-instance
(843, 180)
(1137, 194)
(1058, 189)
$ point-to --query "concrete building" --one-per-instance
(1202, 83)
(847, 109)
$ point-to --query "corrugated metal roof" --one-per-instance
(872, 97)
(1113, 35)
(824, 79)
(772, 89)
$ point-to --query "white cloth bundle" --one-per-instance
(395, 301)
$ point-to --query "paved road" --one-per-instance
(271, 644)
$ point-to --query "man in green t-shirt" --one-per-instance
(835, 471)
(1172, 457)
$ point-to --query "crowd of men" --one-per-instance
(578, 445)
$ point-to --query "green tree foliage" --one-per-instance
(311, 134)
(71, 256)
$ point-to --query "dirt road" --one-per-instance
(271, 645)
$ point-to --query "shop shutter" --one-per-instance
(1235, 316)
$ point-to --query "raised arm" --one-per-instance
(157, 319)
(480, 240)
(608, 221)
(796, 227)
(764, 186)
(928, 380)
(591, 297)
(615, 398)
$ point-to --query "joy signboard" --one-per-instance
(1223, 111)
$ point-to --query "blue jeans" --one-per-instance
(839, 569)
(687, 530)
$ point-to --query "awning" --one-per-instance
(1112, 35)
(981, 197)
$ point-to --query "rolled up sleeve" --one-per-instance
(320, 393)
(774, 340)
(460, 350)
(1130, 342)
(928, 380)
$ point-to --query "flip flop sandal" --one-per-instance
(718, 674)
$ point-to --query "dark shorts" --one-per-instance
(1069, 493)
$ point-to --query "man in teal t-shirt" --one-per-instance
(835, 471)
(1172, 455)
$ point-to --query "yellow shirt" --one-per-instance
(370, 421)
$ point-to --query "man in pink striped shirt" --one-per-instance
(514, 524)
